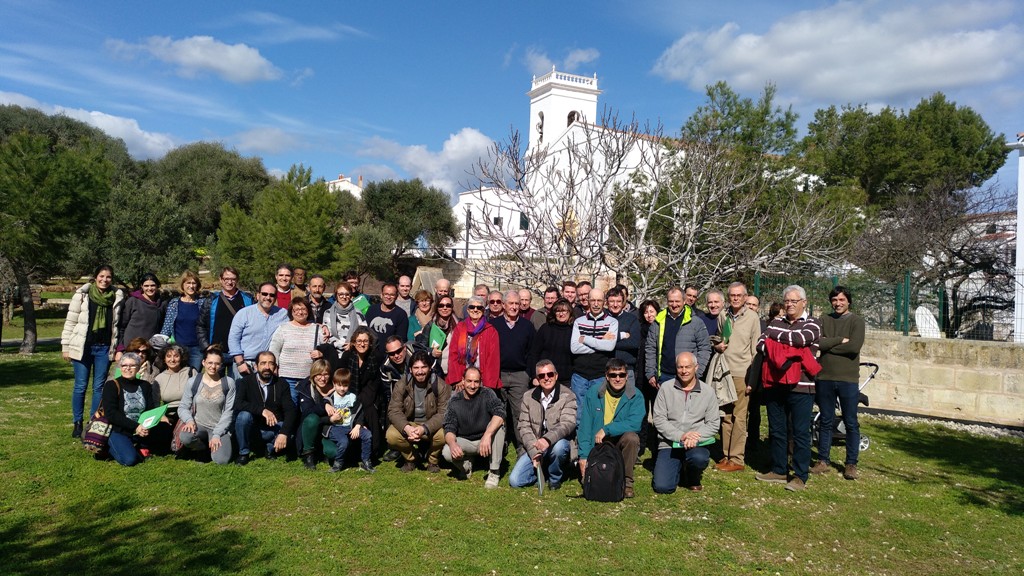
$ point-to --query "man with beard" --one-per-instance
(318, 305)
(253, 327)
(386, 319)
(263, 406)
(474, 425)
(416, 412)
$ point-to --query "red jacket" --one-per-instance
(487, 349)
(785, 364)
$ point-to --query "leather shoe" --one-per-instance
(731, 467)
(242, 459)
(629, 492)
(695, 488)
(77, 431)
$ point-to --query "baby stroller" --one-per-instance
(839, 428)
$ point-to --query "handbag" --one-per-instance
(97, 434)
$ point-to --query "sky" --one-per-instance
(421, 89)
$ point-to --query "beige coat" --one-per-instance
(76, 327)
(560, 419)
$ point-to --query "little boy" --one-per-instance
(346, 422)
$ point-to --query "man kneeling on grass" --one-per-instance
(474, 424)
(416, 411)
(612, 413)
(547, 423)
(686, 416)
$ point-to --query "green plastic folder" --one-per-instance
(437, 337)
(707, 442)
(362, 303)
(151, 418)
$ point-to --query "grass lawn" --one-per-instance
(49, 323)
(930, 501)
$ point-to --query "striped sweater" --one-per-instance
(591, 355)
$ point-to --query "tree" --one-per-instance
(413, 216)
(49, 194)
(892, 153)
(288, 222)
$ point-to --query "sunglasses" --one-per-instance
(545, 375)
(616, 374)
(444, 305)
(395, 353)
(474, 307)
(268, 294)
(495, 301)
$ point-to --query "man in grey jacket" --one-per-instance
(675, 329)
(547, 423)
(686, 416)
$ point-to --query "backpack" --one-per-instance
(605, 477)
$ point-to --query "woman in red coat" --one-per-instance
(474, 342)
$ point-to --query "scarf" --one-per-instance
(103, 302)
(351, 314)
(423, 318)
(470, 349)
(444, 324)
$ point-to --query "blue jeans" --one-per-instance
(195, 356)
(246, 424)
(579, 386)
(292, 383)
(122, 448)
(555, 459)
(94, 357)
(339, 435)
(668, 467)
(826, 392)
(783, 406)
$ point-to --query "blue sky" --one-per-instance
(418, 89)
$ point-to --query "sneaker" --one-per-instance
(772, 477)
(492, 480)
(367, 466)
(391, 456)
(796, 485)
(336, 466)
(629, 493)
(850, 473)
(821, 467)
(77, 431)
(145, 453)
(433, 468)
(408, 466)
(467, 469)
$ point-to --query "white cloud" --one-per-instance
(447, 169)
(196, 55)
(140, 143)
(855, 52)
(301, 76)
(280, 29)
(265, 140)
(538, 62)
(374, 173)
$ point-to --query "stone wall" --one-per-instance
(962, 379)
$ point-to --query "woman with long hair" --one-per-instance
(143, 313)
(89, 338)
(169, 386)
(295, 342)
(362, 364)
(182, 317)
(553, 341)
(444, 319)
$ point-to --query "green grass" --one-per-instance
(49, 324)
(930, 501)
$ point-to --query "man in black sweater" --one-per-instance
(263, 404)
(515, 338)
(474, 424)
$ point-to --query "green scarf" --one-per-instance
(103, 301)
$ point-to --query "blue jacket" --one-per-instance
(208, 314)
(629, 415)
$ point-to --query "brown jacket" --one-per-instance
(403, 400)
(560, 418)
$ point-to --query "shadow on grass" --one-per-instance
(956, 454)
(120, 537)
(19, 370)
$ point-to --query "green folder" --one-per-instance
(437, 337)
(362, 303)
(707, 442)
(151, 418)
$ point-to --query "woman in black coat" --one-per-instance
(553, 340)
(361, 362)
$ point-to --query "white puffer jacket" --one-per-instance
(76, 327)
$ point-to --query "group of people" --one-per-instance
(409, 378)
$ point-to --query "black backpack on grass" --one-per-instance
(605, 477)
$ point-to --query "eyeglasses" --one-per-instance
(546, 375)
(223, 279)
(268, 294)
(474, 307)
(344, 295)
(361, 341)
(129, 367)
(616, 374)
(495, 301)
(444, 305)
(792, 301)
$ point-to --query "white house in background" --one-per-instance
(563, 109)
(344, 183)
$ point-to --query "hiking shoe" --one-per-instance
(409, 466)
(795, 485)
(821, 467)
(336, 466)
(367, 466)
(492, 480)
(391, 455)
(772, 477)
(433, 468)
(850, 473)
(629, 493)
(309, 461)
(558, 486)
